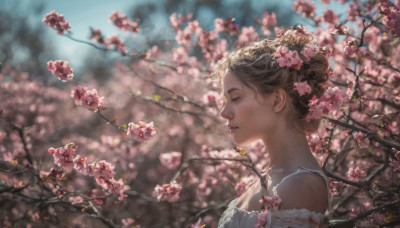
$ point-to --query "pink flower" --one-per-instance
(53, 174)
(212, 98)
(103, 169)
(262, 220)
(291, 59)
(171, 160)
(56, 21)
(123, 22)
(142, 131)
(61, 70)
(80, 164)
(77, 93)
(117, 42)
(350, 50)
(356, 174)
(396, 163)
(335, 186)
(330, 17)
(248, 34)
(302, 87)
(391, 18)
(226, 25)
(271, 202)
(177, 20)
(168, 192)
(332, 100)
(304, 8)
(281, 51)
(308, 52)
(64, 156)
(179, 55)
(361, 139)
(87, 98)
(91, 99)
(95, 34)
(128, 222)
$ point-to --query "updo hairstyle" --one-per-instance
(256, 67)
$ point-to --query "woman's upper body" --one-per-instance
(304, 209)
(268, 87)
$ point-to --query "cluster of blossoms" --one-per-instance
(177, 20)
(270, 203)
(171, 160)
(304, 7)
(302, 87)
(332, 100)
(226, 25)
(61, 70)
(361, 139)
(267, 21)
(118, 43)
(392, 16)
(335, 186)
(123, 22)
(168, 192)
(102, 171)
(141, 131)
(87, 98)
(356, 174)
(358, 210)
(289, 58)
(95, 34)
(56, 21)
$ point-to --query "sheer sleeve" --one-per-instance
(234, 217)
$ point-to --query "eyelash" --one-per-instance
(235, 98)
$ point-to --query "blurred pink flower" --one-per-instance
(171, 160)
(61, 70)
(356, 174)
(56, 21)
(262, 220)
(142, 131)
(304, 8)
(123, 22)
(64, 156)
(117, 42)
(168, 192)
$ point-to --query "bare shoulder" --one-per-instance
(304, 190)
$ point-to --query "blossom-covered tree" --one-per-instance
(153, 144)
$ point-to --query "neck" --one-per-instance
(289, 150)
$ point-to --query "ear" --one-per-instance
(279, 98)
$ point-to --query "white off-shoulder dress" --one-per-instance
(234, 217)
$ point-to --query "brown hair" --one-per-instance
(255, 65)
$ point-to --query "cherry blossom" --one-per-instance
(271, 202)
(64, 156)
(262, 220)
(356, 174)
(302, 87)
(61, 70)
(171, 160)
(304, 7)
(123, 22)
(118, 43)
(141, 131)
(95, 34)
(56, 21)
(87, 98)
(290, 59)
(168, 192)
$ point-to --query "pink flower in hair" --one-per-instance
(281, 51)
(291, 59)
(56, 21)
(302, 87)
(142, 131)
(308, 52)
(61, 70)
(168, 192)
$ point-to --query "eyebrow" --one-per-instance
(231, 90)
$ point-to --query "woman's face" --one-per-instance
(250, 115)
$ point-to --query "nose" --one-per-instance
(226, 112)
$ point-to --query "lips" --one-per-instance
(232, 128)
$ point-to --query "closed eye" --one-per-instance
(235, 98)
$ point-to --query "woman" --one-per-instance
(267, 87)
